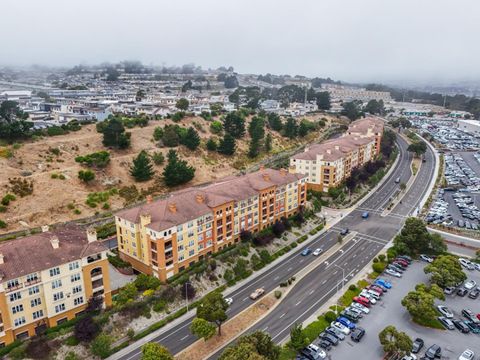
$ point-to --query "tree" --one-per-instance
(414, 239)
(278, 228)
(192, 139)
(157, 133)
(243, 351)
(420, 303)
(323, 100)
(351, 110)
(10, 111)
(202, 328)
(256, 128)
(234, 124)
(254, 148)
(227, 145)
(142, 168)
(112, 74)
(158, 158)
(257, 345)
(86, 329)
(177, 171)
(213, 308)
(140, 95)
(188, 291)
(182, 104)
(375, 107)
(212, 144)
(291, 128)
(298, 339)
(146, 282)
(15, 129)
(101, 346)
(274, 122)
(170, 137)
(216, 127)
(445, 271)
(86, 175)
(155, 351)
(418, 148)
(114, 134)
(395, 342)
(268, 143)
(231, 82)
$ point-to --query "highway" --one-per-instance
(320, 284)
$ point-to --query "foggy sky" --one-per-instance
(352, 40)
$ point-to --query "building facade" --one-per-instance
(48, 278)
(327, 164)
(163, 237)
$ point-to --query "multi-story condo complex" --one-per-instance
(48, 278)
(165, 236)
(327, 164)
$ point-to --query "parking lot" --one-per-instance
(447, 135)
(389, 311)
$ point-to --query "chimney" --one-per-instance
(329, 151)
(337, 147)
(145, 218)
(149, 199)
(199, 198)
(91, 235)
(172, 207)
(266, 177)
(2, 261)
(262, 167)
(45, 228)
(283, 172)
(55, 242)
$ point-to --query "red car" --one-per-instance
(478, 316)
(377, 289)
(362, 300)
(401, 261)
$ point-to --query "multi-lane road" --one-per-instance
(320, 284)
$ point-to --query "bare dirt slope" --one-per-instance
(56, 200)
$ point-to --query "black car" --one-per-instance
(324, 344)
(350, 315)
(334, 332)
(328, 337)
(433, 352)
(460, 325)
(405, 257)
(462, 292)
(310, 354)
(417, 345)
(474, 293)
(357, 334)
(394, 268)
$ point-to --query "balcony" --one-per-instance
(97, 284)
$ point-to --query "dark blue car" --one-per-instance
(344, 321)
(306, 251)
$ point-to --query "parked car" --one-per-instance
(405, 257)
(350, 315)
(357, 334)
(344, 232)
(445, 311)
(449, 290)
(474, 293)
(417, 345)
(462, 292)
(473, 326)
(446, 322)
(466, 263)
(393, 273)
(339, 326)
(369, 297)
(329, 337)
(426, 258)
(469, 314)
(306, 251)
(433, 352)
(317, 252)
(467, 355)
(355, 310)
(469, 285)
(362, 301)
(377, 289)
(460, 325)
(324, 344)
(335, 332)
(344, 321)
(257, 293)
(360, 307)
(365, 215)
(384, 283)
(229, 301)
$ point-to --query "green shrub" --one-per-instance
(7, 198)
(330, 316)
(3, 209)
(3, 224)
(101, 345)
(314, 329)
(378, 267)
(71, 341)
(278, 294)
(352, 287)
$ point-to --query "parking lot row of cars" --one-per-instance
(446, 134)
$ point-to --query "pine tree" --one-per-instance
(254, 148)
(170, 137)
(234, 124)
(212, 144)
(142, 169)
(177, 171)
(192, 139)
(268, 143)
(227, 145)
(291, 128)
(114, 134)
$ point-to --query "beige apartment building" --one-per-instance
(327, 164)
(163, 237)
(48, 278)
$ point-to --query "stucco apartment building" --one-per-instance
(48, 278)
(163, 237)
(327, 164)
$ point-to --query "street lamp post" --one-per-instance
(186, 294)
(343, 274)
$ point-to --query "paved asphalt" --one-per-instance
(320, 284)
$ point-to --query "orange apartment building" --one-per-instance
(327, 164)
(48, 278)
(163, 237)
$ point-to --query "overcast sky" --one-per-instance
(353, 40)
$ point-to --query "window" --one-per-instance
(180, 248)
(75, 277)
(17, 308)
(55, 271)
(181, 258)
(191, 252)
(33, 290)
(19, 321)
(37, 314)
(56, 283)
(58, 296)
(191, 243)
(59, 308)
(15, 296)
(32, 277)
(78, 301)
(12, 283)
(77, 289)
(73, 265)
(35, 302)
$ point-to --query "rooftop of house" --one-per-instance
(188, 204)
(45, 250)
(362, 126)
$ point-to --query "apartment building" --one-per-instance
(327, 164)
(163, 237)
(48, 278)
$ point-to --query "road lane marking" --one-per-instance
(183, 338)
(324, 282)
(281, 316)
(298, 303)
(311, 292)
(289, 269)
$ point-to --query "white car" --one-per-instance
(229, 301)
(369, 297)
(409, 357)
(426, 258)
(467, 355)
(477, 266)
(340, 327)
(317, 252)
(469, 285)
(360, 307)
(393, 273)
(445, 311)
(257, 293)
(322, 354)
(466, 263)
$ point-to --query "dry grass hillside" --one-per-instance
(62, 197)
